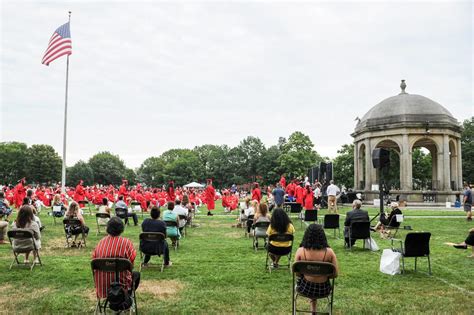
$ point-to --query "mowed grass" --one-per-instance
(216, 271)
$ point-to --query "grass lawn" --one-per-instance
(216, 271)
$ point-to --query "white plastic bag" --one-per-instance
(390, 262)
(370, 243)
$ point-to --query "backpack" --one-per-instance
(118, 298)
(3, 208)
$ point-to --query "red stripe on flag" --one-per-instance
(69, 52)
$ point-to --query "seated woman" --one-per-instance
(261, 216)
(169, 216)
(58, 206)
(280, 223)
(74, 212)
(250, 211)
(154, 224)
(25, 220)
(468, 242)
(390, 221)
(314, 247)
(28, 202)
(104, 208)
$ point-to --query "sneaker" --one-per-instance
(169, 264)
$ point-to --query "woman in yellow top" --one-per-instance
(280, 223)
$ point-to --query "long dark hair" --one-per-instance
(280, 221)
(314, 237)
(25, 216)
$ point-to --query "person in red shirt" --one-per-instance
(210, 197)
(299, 194)
(79, 192)
(308, 197)
(256, 193)
(114, 246)
(283, 181)
(20, 193)
(290, 190)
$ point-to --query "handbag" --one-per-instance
(390, 262)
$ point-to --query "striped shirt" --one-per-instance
(113, 247)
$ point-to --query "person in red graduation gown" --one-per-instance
(299, 194)
(283, 181)
(20, 193)
(123, 191)
(79, 193)
(256, 193)
(308, 197)
(209, 196)
(170, 191)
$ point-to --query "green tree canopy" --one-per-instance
(80, 170)
(467, 149)
(12, 162)
(108, 168)
(343, 166)
(151, 172)
(43, 164)
(298, 155)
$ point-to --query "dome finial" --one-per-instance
(403, 85)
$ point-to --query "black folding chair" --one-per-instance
(116, 266)
(157, 239)
(23, 234)
(122, 213)
(359, 231)
(417, 244)
(99, 218)
(83, 204)
(394, 225)
(248, 225)
(286, 252)
(309, 216)
(331, 221)
(260, 226)
(183, 217)
(73, 228)
(175, 241)
(57, 212)
(313, 268)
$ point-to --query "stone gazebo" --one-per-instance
(402, 123)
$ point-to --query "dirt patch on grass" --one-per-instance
(5, 294)
(234, 234)
(161, 289)
(58, 246)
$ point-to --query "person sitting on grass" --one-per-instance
(25, 220)
(390, 221)
(468, 242)
(280, 223)
(154, 224)
(115, 246)
(169, 216)
(314, 247)
(104, 208)
(74, 212)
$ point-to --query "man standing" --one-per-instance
(278, 195)
(209, 196)
(332, 192)
(468, 201)
(355, 215)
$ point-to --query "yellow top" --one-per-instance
(289, 230)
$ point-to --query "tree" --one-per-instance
(12, 162)
(131, 176)
(182, 166)
(108, 168)
(215, 163)
(80, 171)
(151, 172)
(298, 155)
(43, 164)
(250, 150)
(343, 166)
(467, 150)
(422, 169)
(269, 168)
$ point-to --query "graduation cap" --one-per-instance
(209, 181)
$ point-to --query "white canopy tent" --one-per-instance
(194, 185)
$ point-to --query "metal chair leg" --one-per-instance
(429, 265)
(416, 258)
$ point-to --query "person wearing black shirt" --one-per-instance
(154, 224)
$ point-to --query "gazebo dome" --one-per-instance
(406, 110)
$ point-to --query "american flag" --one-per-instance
(59, 44)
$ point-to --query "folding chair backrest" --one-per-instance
(152, 236)
(360, 230)
(399, 218)
(135, 203)
(72, 222)
(311, 215)
(280, 237)
(295, 208)
(101, 215)
(331, 221)
(262, 225)
(115, 265)
(417, 244)
(314, 268)
(171, 223)
(121, 212)
(20, 234)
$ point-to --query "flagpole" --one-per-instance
(63, 175)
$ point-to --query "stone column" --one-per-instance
(453, 166)
(368, 165)
(459, 179)
(446, 164)
(406, 176)
(356, 165)
(373, 172)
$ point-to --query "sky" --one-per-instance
(146, 77)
